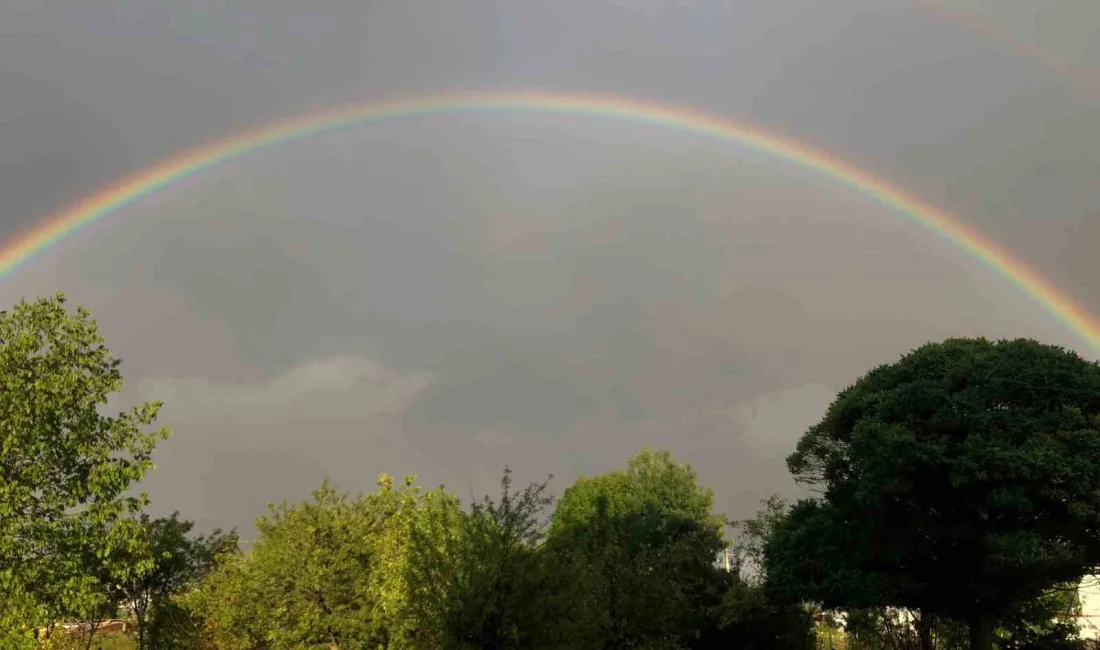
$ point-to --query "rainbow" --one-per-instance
(144, 183)
(1083, 80)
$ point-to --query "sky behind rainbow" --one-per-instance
(1001, 36)
(55, 228)
(447, 287)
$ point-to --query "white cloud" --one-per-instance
(238, 444)
(341, 387)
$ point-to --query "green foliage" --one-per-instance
(811, 556)
(65, 468)
(404, 569)
(100, 641)
(652, 482)
(959, 501)
(647, 543)
(231, 605)
(754, 616)
(313, 562)
(331, 571)
(753, 534)
(960, 480)
(748, 618)
(178, 563)
(1047, 622)
(481, 579)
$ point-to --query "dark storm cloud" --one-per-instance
(549, 305)
(446, 296)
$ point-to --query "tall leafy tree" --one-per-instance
(482, 580)
(753, 535)
(329, 572)
(648, 543)
(315, 560)
(232, 607)
(109, 567)
(65, 468)
(176, 562)
(960, 481)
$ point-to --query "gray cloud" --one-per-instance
(773, 421)
(448, 295)
(240, 445)
(336, 388)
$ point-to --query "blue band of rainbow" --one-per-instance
(162, 174)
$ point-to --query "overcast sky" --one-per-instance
(447, 295)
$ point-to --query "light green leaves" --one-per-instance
(65, 467)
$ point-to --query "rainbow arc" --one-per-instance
(158, 176)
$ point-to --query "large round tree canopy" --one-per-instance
(959, 480)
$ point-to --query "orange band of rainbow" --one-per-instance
(144, 183)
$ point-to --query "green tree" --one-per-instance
(647, 543)
(959, 481)
(65, 468)
(1048, 622)
(1045, 623)
(110, 567)
(314, 561)
(329, 572)
(177, 562)
(752, 616)
(751, 619)
(752, 536)
(231, 604)
(481, 579)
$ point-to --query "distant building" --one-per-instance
(1089, 592)
(112, 625)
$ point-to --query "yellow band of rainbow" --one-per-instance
(56, 227)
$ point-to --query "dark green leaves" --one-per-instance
(960, 480)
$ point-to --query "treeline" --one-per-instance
(628, 559)
(956, 504)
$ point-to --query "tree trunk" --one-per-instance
(142, 638)
(94, 627)
(924, 631)
(981, 632)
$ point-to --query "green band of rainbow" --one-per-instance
(146, 182)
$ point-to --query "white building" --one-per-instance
(1090, 607)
